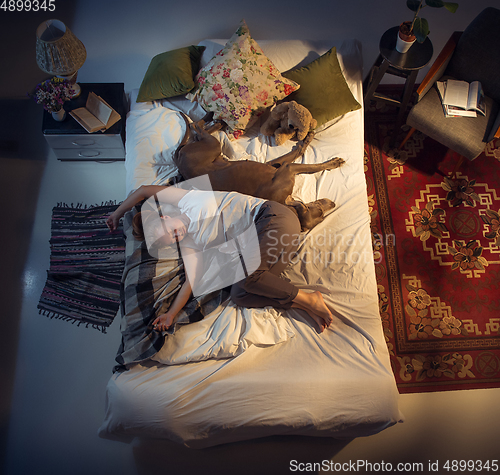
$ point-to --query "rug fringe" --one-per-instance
(57, 316)
(62, 204)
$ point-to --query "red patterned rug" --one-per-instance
(437, 252)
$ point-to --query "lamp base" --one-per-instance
(74, 85)
(77, 90)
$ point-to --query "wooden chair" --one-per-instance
(472, 55)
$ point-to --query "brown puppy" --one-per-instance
(199, 153)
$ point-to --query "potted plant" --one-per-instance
(52, 94)
(418, 29)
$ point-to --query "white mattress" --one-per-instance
(240, 373)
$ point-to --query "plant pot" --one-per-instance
(405, 38)
(59, 115)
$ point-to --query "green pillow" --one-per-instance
(323, 88)
(171, 74)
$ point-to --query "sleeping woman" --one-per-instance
(200, 226)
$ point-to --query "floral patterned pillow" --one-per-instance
(240, 83)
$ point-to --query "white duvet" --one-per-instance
(243, 373)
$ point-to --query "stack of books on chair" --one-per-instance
(461, 99)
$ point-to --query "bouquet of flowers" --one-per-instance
(53, 93)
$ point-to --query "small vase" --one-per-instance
(404, 41)
(59, 115)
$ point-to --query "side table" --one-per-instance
(71, 142)
(404, 65)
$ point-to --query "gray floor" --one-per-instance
(54, 374)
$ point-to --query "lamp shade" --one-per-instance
(58, 50)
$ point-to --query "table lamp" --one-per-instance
(59, 52)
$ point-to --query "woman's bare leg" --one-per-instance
(314, 305)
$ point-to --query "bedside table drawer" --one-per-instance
(71, 142)
(84, 141)
(90, 153)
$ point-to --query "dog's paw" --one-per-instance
(309, 138)
(303, 144)
(335, 163)
(213, 126)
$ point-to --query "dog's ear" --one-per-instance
(280, 111)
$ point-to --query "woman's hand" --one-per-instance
(113, 221)
(164, 322)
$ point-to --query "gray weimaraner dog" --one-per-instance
(199, 153)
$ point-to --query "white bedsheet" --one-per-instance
(269, 372)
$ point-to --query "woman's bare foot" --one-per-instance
(319, 321)
(163, 322)
(315, 306)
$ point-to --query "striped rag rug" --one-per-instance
(86, 265)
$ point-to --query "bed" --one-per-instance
(234, 374)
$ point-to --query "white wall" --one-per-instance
(126, 34)
(121, 36)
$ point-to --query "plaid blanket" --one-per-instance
(149, 286)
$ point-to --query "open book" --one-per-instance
(96, 115)
(461, 99)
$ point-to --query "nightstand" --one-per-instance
(71, 142)
(405, 65)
